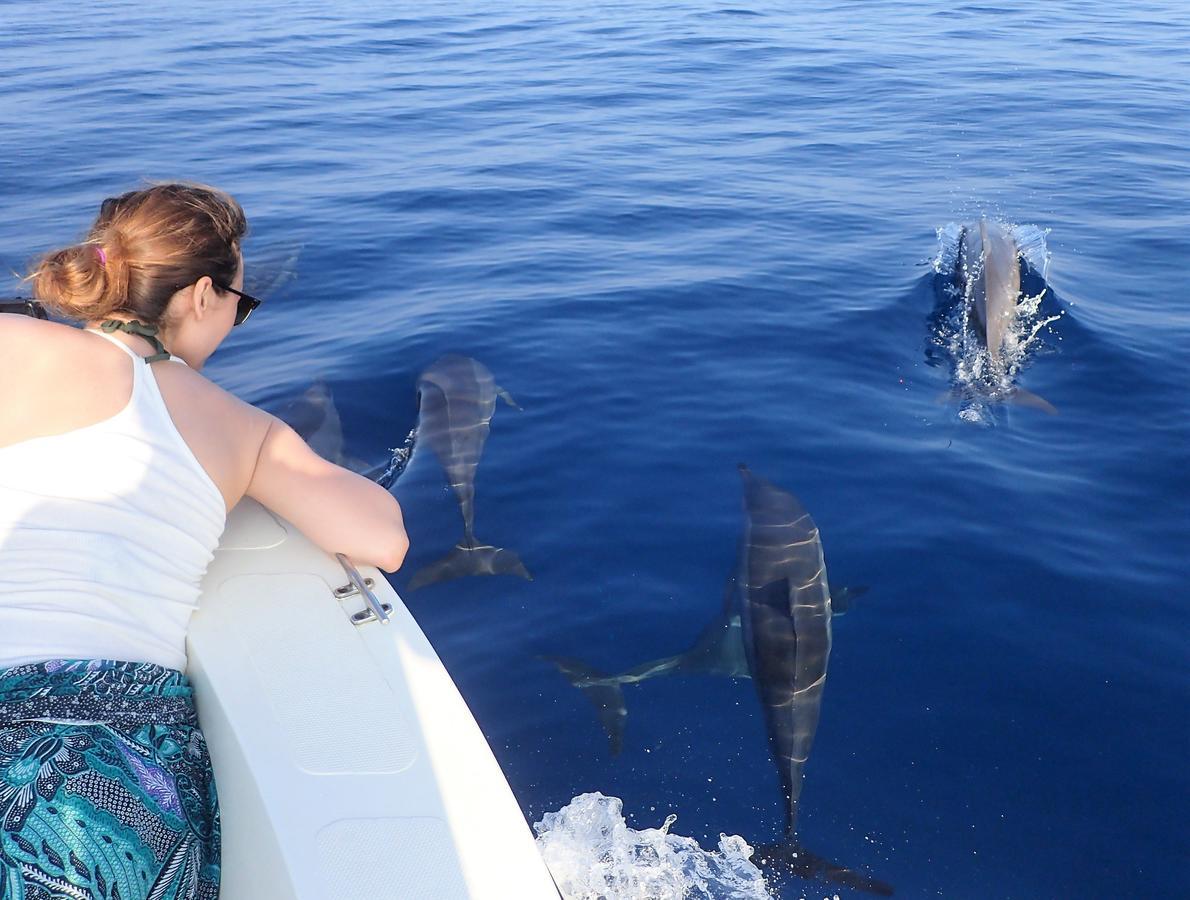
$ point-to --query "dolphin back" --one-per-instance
(1002, 284)
(988, 272)
(457, 397)
(785, 613)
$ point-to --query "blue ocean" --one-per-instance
(685, 236)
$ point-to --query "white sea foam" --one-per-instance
(398, 461)
(594, 855)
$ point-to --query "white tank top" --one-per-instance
(105, 534)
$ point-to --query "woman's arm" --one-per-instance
(340, 511)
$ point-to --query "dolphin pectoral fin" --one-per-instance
(841, 598)
(1021, 397)
(466, 560)
(793, 858)
(603, 691)
(507, 398)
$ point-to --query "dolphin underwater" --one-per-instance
(457, 396)
(775, 628)
(786, 617)
(314, 416)
(988, 274)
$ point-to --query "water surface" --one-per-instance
(685, 236)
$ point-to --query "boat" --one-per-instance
(348, 765)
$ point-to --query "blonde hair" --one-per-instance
(144, 247)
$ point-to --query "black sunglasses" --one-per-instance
(244, 307)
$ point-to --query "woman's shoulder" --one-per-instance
(177, 381)
(32, 345)
(38, 350)
(224, 432)
(16, 327)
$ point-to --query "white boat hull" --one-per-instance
(348, 765)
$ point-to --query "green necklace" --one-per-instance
(148, 332)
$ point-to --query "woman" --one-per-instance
(118, 463)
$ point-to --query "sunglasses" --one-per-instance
(244, 306)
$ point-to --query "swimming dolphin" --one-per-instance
(786, 618)
(988, 273)
(315, 418)
(270, 268)
(775, 628)
(457, 397)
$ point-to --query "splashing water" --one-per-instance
(594, 855)
(978, 380)
(398, 461)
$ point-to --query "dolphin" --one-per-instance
(774, 628)
(315, 418)
(786, 614)
(457, 396)
(270, 268)
(988, 274)
(786, 618)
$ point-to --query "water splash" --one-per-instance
(978, 382)
(594, 855)
(398, 461)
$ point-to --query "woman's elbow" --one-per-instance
(391, 540)
(393, 553)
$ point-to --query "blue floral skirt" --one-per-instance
(106, 789)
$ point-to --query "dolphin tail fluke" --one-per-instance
(793, 858)
(470, 559)
(1017, 395)
(603, 691)
(1022, 397)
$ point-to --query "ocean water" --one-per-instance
(685, 236)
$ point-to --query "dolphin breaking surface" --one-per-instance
(989, 320)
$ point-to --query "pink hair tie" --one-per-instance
(102, 254)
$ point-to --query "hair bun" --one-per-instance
(74, 281)
(144, 246)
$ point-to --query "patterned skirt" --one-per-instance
(106, 790)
